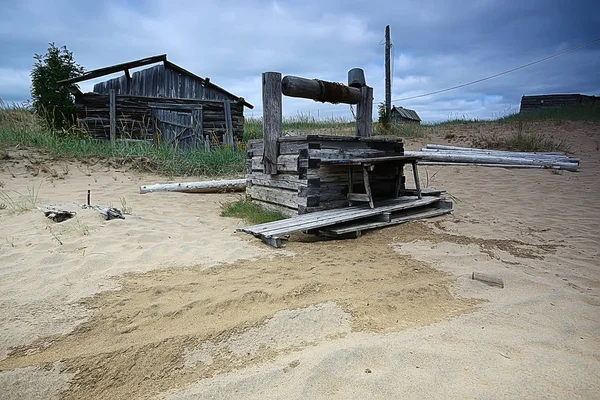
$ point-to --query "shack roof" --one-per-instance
(125, 67)
(406, 113)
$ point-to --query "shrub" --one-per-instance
(52, 101)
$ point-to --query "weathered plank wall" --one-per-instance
(161, 81)
(303, 184)
(530, 103)
(135, 120)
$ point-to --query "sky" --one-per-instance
(436, 44)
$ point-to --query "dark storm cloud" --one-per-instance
(437, 44)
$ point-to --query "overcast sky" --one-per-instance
(436, 44)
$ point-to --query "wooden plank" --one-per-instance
(174, 106)
(277, 184)
(113, 115)
(228, 138)
(286, 211)
(288, 198)
(359, 197)
(371, 160)
(488, 279)
(368, 186)
(115, 68)
(364, 113)
(284, 163)
(272, 120)
(197, 127)
(284, 177)
(413, 216)
(332, 217)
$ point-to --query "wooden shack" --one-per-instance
(532, 103)
(404, 115)
(163, 102)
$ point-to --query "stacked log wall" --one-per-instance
(303, 184)
(135, 120)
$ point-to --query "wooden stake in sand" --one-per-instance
(233, 185)
(487, 279)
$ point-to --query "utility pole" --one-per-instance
(388, 80)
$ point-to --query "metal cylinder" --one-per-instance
(356, 78)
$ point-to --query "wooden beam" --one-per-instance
(364, 111)
(112, 94)
(228, 137)
(272, 120)
(218, 186)
(294, 86)
(97, 73)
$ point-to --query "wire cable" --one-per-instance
(501, 73)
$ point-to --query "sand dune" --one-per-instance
(170, 303)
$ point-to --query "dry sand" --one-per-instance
(171, 304)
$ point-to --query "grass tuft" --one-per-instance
(24, 202)
(520, 141)
(249, 211)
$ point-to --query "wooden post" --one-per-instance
(364, 113)
(388, 80)
(272, 120)
(112, 94)
(197, 126)
(228, 138)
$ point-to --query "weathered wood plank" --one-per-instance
(288, 198)
(364, 113)
(286, 211)
(272, 120)
(488, 279)
(228, 138)
(112, 94)
(394, 220)
(332, 217)
(283, 163)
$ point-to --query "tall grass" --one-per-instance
(249, 211)
(19, 127)
(301, 123)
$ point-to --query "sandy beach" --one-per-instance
(171, 303)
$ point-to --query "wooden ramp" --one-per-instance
(350, 221)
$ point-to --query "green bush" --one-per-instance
(52, 101)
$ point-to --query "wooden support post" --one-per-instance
(368, 185)
(228, 138)
(417, 183)
(197, 126)
(364, 111)
(112, 94)
(272, 120)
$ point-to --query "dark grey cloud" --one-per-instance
(437, 44)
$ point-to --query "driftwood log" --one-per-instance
(218, 186)
(487, 279)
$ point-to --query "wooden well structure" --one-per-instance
(303, 174)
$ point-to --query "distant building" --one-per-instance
(404, 115)
(530, 103)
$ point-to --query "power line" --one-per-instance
(501, 73)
